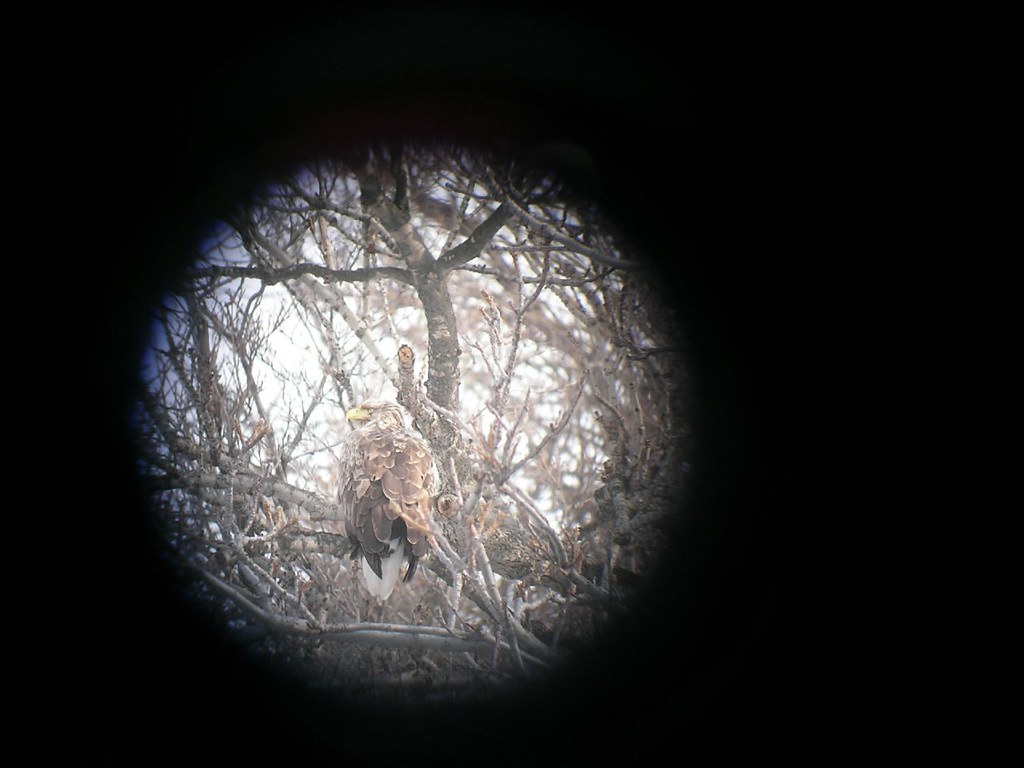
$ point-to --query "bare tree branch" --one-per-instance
(317, 507)
(552, 431)
(378, 635)
(275, 275)
(570, 243)
(471, 247)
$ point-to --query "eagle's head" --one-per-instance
(377, 412)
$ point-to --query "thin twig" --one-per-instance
(554, 430)
(573, 245)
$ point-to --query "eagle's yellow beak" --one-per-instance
(357, 414)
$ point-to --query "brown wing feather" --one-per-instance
(381, 524)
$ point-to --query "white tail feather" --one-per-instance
(390, 568)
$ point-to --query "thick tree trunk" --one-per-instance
(429, 276)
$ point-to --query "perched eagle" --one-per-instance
(387, 482)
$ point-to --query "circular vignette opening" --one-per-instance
(654, 188)
(518, 505)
